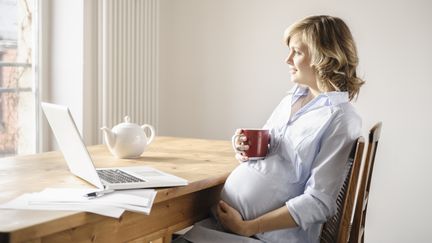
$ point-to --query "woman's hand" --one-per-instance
(239, 145)
(231, 220)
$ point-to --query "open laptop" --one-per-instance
(80, 163)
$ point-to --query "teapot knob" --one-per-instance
(127, 119)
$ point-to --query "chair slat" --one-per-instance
(359, 220)
(336, 229)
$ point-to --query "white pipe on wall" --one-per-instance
(129, 73)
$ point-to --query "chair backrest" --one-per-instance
(359, 220)
(337, 228)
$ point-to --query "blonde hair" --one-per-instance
(333, 52)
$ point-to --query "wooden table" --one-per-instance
(204, 163)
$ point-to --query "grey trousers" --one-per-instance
(209, 231)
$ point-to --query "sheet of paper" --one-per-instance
(145, 210)
(137, 200)
(73, 199)
(141, 199)
(22, 202)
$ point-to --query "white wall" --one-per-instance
(67, 60)
(221, 67)
(69, 64)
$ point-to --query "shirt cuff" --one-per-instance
(310, 208)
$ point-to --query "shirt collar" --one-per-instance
(336, 97)
(329, 98)
(297, 91)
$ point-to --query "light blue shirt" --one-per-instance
(304, 169)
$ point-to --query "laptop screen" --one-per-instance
(70, 143)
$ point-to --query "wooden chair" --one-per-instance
(358, 225)
(337, 228)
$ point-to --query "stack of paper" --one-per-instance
(112, 205)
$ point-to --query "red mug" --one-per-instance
(258, 141)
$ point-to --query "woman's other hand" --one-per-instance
(239, 145)
(232, 221)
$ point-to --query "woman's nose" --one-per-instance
(288, 59)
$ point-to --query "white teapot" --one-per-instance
(127, 140)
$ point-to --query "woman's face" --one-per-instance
(299, 62)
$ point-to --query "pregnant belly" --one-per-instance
(253, 193)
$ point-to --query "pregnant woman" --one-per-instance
(288, 195)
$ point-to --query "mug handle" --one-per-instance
(234, 138)
(152, 132)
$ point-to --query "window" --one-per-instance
(18, 120)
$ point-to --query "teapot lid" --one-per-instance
(127, 119)
(127, 123)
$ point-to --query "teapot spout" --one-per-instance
(109, 137)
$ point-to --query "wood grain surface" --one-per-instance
(204, 163)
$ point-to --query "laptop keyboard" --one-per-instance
(117, 176)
